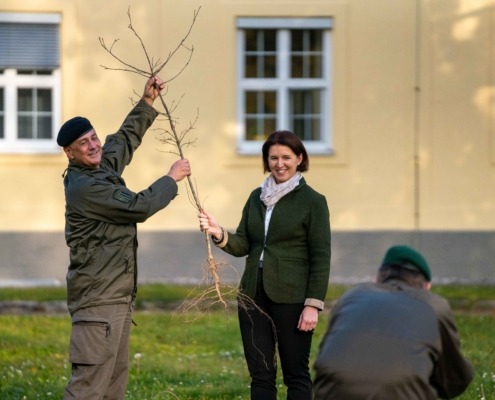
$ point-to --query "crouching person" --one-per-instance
(393, 339)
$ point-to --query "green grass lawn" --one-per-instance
(190, 356)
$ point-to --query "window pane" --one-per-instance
(260, 102)
(270, 67)
(305, 109)
(250, 36)
(297, 67)
(251, 129)
(269, 39)
(255, 129)
(44, 100)
(306, 53)
(270, 102)
(297, 102)
(298, 128)
(297, 40)
(260, 48)
(315, 66)
(259, 129)
(25, 127)
(306, 40)
(270, 127)
(45, 127)
(251, 102)
(34, 119)
(260, 114)
(34, 72)
(307, 129)
(315, 38)
(25, 99)
(250, 67)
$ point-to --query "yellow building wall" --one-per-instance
(413, 131)
(457, 115)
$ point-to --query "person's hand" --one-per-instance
(308, 319)
(208, 224)
(180, 169)
(152, 89)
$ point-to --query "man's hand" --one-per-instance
(152, 89)
(179, 170)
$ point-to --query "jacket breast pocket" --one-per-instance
(90, 340)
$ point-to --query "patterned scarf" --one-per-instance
(271, 192)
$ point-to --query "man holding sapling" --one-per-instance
(101, 216)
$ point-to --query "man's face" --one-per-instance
(85, 150)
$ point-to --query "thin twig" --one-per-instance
(176, 139)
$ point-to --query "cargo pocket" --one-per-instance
(90, 340)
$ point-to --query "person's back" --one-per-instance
(382, 346)
(392, 340)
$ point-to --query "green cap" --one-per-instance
(407, 257)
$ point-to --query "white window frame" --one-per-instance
(282, 84)
(11, 81)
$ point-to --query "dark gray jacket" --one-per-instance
(391, 342)
(101, 215)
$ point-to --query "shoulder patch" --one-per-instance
(122, 196)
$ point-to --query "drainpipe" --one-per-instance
(416, 132)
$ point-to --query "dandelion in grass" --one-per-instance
(137, 359)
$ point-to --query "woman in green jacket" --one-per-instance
(285, 234)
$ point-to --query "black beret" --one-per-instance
(73, 129)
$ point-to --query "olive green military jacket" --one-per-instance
(296, 249)
(101, 215)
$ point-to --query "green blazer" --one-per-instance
(296, 248)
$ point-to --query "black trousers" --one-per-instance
(264, 326)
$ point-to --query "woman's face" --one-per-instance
(283, 162)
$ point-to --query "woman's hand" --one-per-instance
(308, 319)
(208, 224)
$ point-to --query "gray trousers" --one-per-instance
(99, 352)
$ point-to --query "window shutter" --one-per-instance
(29, 45)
